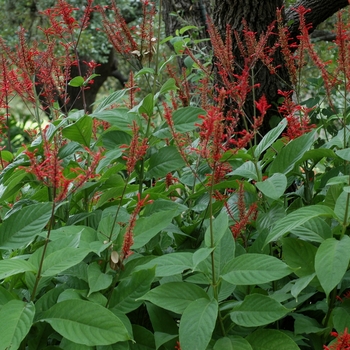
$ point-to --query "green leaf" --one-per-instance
(120, 117)
(274, 186)
(145, 70)
(167, 86)
(200, 255)
(296, 219)
(80, 131)
(148, 227)
(258, 310)
(299, 255)
(97, 279)
(314, 230)
(271, 339)
(251, 269)
(197, 324)
(17, 319)
(186, 118)
(300, 284)
(77, 81)
(331, 262)
(306, 325)
(246, 170)
(342, 207)
(270, 138)
(147, 105)
(110, 99)
(343, 154)
(289, 155)
(175, 296)
(164, 161)
(63, 259)
(219, 227)
(232, 343)
(85, 323)
(125, 295)
(18, 230)
(341, 316)
(10, 267)
(13, 184)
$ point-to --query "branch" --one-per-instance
(320, 11)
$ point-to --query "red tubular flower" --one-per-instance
(342, 342)
(136, 150)
(129, 237)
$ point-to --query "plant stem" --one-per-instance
(51, 224)
(331, 301)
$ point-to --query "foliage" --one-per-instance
(155, 222)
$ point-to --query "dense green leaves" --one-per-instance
(271, 339)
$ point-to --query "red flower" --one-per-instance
(342, 342)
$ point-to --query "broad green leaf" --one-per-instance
(10, 267)
(300, 284)
(5, 296)
(109, 157)
(175, 296)
(18, 230)
(97, 279)
(306, 325)
(343, 154)
(197, 324)
(185, 119)
(246, 170)
(169, 264)
(84, 322)
(274, 186)
(110, 99)
(145, 70)
(148, 227)
(125, 295)
(331, 262)
(296, 219)
(167, 86)
(270, 138)
(289, 155)
(299, 255)
(80, 131)
(144, 339)
(63, 259)
(341, 316)
(218, 228)
(314, 230)
(69, 345)
(164, 161)
(164, 326)
(271, 339)
(342, 207)
(251, 269)
(120, 117)
(76, 81)
(13, 184)
(258, 310)
(16, 320)
(147, 105)
(232, 343)
(200, 255)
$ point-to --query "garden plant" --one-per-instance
(164, 219)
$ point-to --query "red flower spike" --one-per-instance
(342, 342)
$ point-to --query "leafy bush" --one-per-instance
(155, 222)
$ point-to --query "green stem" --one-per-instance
(331, 301)
(212, 255)
(47, 240)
